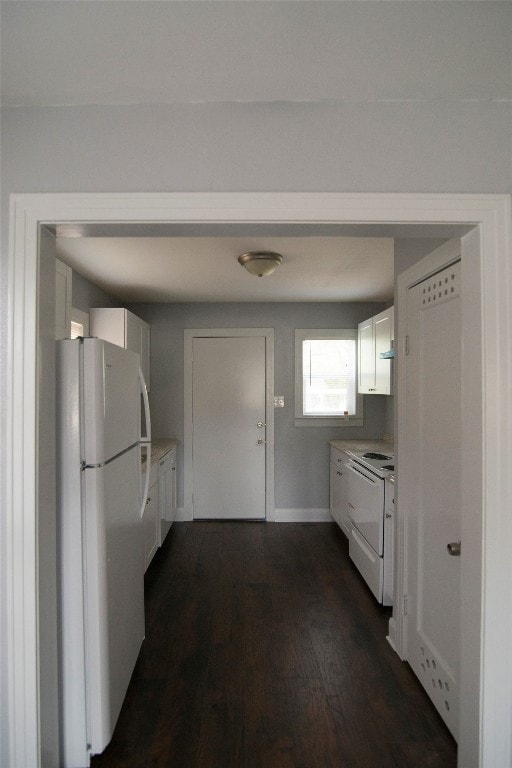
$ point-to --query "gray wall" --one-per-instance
(87, 294)
(301, 453)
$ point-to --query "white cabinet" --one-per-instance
(375, 338)
(151, 516)
(167, 491)
(160, 509)
(63, 288)
(337, 489)
(119, 326)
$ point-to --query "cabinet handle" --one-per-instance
(148, 500)
(388, 515)
(454, 548)
(339, 473)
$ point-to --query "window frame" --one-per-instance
(301, 420)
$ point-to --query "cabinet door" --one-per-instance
(366, 354)
(334, 494)
(108, 323)
(172, 502)
(63, 283)
(384, 334)
(137, 334)
(342, 496)
(338, 503)
(167, 486)
(132, 332)
(145, 348)
(151, 524)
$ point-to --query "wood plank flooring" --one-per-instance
(265, 649)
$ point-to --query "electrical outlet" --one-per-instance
(279, 401)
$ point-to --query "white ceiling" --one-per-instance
(184, 269)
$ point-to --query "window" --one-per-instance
(326, 378)
(79, 323)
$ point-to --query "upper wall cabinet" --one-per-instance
(63, 287)
(375, 341)
(119, 326)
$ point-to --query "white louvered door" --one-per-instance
(432, 488)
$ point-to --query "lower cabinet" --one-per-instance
(160, 509)
(151, 516)
(167, 492)
(337, 489)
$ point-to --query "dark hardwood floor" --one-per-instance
(265, 649)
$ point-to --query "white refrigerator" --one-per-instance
(101, 538)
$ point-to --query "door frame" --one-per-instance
(491, 456)
(189, 335)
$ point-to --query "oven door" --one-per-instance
(365, 503)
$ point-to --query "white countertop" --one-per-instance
(363, 446)
(159, 447)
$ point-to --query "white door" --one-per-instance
(228, 414)
(432, 491)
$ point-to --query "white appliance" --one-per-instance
(101, 538)
(370, 549)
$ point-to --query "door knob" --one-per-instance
(454, 548)
(260, 424)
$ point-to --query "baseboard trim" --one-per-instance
(279, 516)
(302, 516)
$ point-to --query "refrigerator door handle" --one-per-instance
(147, 446)
(147, 437)
(145, 440)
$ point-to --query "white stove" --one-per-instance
(370, 529)
(382, 464)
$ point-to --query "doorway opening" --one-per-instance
(489, 739)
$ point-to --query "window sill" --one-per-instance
(328, 421)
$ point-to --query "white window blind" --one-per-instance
(77, 329)
(328, 377)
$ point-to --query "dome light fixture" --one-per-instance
(260, 263)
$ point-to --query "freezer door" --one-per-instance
(111, 400)
(114, 589)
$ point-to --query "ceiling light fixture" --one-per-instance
(260, 263)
